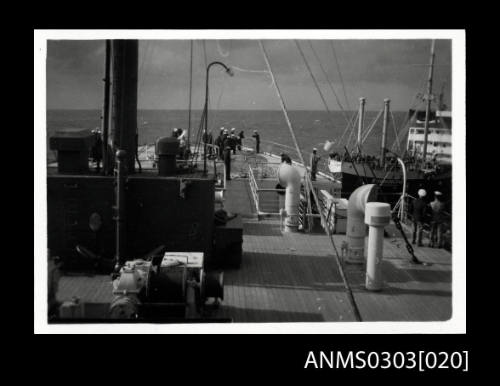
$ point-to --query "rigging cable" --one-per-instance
(354, 306)
(329, 82)
(353, 122)
(315, 82)
(204, 42)
(340, 74)
(370, 128)
(406, 126)
(395, 131)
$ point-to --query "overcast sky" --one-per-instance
(375, 69)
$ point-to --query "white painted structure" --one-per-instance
(438, 139)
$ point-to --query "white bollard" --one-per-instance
(377, 216)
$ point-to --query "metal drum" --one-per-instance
(170, 285)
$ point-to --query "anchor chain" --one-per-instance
(409, 247)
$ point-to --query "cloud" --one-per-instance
(373, 68)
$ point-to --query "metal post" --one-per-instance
(403, 195)
(105, 114)
(206, 124)
(362, 102)
(124, 104)
(428, 105)
(384, 131)
(120, 175)
(190, 92)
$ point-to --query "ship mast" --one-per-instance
(429, 100)
(361, 120)
(384, 131)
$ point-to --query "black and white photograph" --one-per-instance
(250, 181)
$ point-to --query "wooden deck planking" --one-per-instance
(296, 287)
(294, 277)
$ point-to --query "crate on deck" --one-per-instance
(73, 149)
(229, 244)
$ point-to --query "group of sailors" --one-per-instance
(226, 143)
(421, 210)
(228, 140)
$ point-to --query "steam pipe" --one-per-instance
(356, 229)
(120, 175)
(105, 115)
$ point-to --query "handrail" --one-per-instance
(255, 190)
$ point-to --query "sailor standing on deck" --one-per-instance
(241, 136)
(226, 144)
(219, 141)
(257, 141)
(314, 164)
(96, 150)
(419, 211)
(437, 221)
(233, 140)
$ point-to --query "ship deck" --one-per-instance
(293, 277)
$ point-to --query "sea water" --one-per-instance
(312, 128)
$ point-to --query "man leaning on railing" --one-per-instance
(419, 211)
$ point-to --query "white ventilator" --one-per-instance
(289, 177)
(377, 216)
(356, 228)
(328, 146)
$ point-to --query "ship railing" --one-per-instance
(147, 153)
(327, 203)
(266, 200)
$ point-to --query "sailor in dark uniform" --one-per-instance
(96, 150)
(257, 141)
(314, 164)
(437, 207)
(241, 136)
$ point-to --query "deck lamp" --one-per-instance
(230, 72)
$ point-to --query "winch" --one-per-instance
(173, 285)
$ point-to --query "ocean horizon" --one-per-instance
(312, 127)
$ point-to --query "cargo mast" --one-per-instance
(428, 100)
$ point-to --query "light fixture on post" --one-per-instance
(230, 72)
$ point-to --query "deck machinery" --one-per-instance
(128, 223)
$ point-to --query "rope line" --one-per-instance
(370, 128)
(357, 314)
(329, 82)
(315, 82)
(354, 119)
(219, 48)
(340, 74)
(395, 131)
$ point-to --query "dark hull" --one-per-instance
(392, 182)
